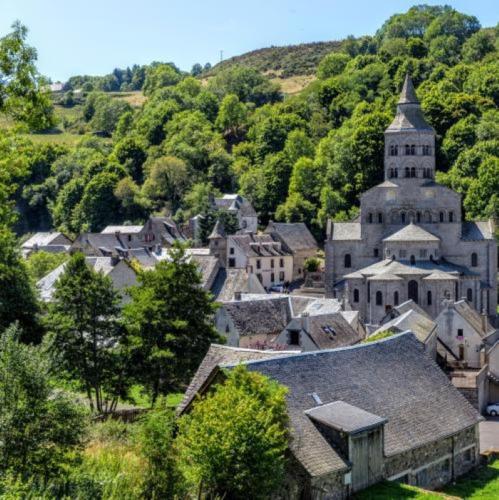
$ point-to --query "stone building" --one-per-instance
(410, 240)
(361, 414)
(53, 242)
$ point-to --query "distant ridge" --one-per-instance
(284, 61)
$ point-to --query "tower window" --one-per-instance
(441, 216)
(428, 297)
(418, 216)
(356, 295)
(394, 150)
(413, 171)
(474, 260)
(379, 298)
(469, 295)
(426, 150)
(380, 218)
(376, 252)
(370, 218)
(412, 260)
(413, 149)
(407, 149)
(451, 216)
(407, 172)
(348, 260)
(395, 172)
(402, 217)
(396, 298)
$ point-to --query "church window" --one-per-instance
(428, 216)
(380, 218)
(376, 252)
(396, 298)
(413, 149)
(348, 260)
(379, 298)
(407, 172)
(412, 291)
(370, 218)
(469, 295)
(356, 295)
(441, 216)
(394, 150)
(418, 216)
(426, 150)
(402, 217)
(413, 171)
(395, 172)
(474, 260)
(413, 260)
(407, 149)
(428, 297)
(451, 216)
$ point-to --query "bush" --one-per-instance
(312, 265)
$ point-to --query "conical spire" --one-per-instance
(408, 94)
(218, 231)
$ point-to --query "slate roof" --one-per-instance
(230, 281)
(235, 202)
(476, 231)
(346, 231)
(122, 229)
(218, 230)
(421, 325)
(101, 244)
(329, 331)
(268, 316)
(208, 266)
(409, 305)
(412, 232)
(344, 417)
(479, 322)
(216, 355)
(43, 239)
(258, 245)
(295, 235)
(409, 115)
(392, 378)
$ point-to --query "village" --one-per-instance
(385, 334)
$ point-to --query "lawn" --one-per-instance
(482, 484)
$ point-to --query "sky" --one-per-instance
(94, 36)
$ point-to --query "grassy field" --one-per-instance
(482, 484)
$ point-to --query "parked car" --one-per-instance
(493, 410)
(277, 288)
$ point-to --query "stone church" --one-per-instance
(410, 241)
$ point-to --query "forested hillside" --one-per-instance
(305, 157)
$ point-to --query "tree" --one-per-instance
(233, 443)
(333, 64)
(22, 93)
(39, 264)
(86, 338)
(40, 427)
(159, 76)
(197, 69)
(478, 46)
(482, 200)
(169, 323)
(166, 183)
(131, 153)
(232, 118)
(107, 113)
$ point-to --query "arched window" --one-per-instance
(379, 298)
(469, 295)
(356, 295)
(451, 216)
(412, 291)
(396, 298)
(413, 260)
(407, 149)
(413, 171)
(474, 260)
(413, 149)
(348, 260)
(394, 150)
(376, 252)
(370, 218)
(428, 216)
(441, 216)
(380, 218)
(426, 150)
(402, 217)
(428, 297)
(418, 216)
(407, 172)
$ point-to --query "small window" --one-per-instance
(407, 172)
(272, 263)
(428, 297)
(413, 260)
(426, 150)
(272, 277)
(441, 216)
(281, 262)
(394, 150)
(281, 276)
(348, 260)
(231, 250)
(370, 218)
(379, 298)
(413, 171)
(368, 292)
(469, 295)
(294, 337)
(232, 262)
(474, 260)
(460, 333)
(407, 149)
(413, 149)
(258, 264)
(396, 298)
(129, 237)
(356, 295)
(402, 217)
(468, 454)
(451, 216)
(380, 218)
(418, 217)
(376, 252)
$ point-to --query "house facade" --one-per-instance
(410, 241)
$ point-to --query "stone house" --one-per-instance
(53, 242)
(464, 334)
(100, 245)
(362, 414)
(259, 254)
(409, 317)
(287, 321)
(119, 270)
(297, 239)
(410, 240)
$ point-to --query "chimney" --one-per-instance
(305, 321)
(484, 321)
(237, 295)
